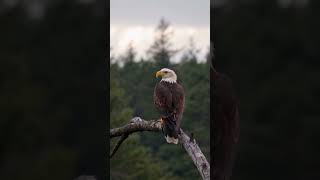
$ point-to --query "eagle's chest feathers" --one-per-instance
(168, 86)
(169, 94)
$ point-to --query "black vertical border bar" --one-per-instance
(211, 82)
(107, 92)
(103, 167)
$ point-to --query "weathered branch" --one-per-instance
(123, 137)
(137, 125)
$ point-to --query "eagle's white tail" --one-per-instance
(171, 140)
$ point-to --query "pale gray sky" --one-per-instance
(135, 20)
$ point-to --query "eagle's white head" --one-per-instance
(167, 75)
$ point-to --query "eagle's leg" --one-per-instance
(162, 121)
(169, 116)
(162, 124)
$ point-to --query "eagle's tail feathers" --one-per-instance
(169, 131)
(172, 140)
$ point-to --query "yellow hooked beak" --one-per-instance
(159, 74)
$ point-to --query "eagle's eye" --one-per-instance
(165, 72)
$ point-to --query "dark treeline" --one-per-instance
(272, 54)
(147, 155)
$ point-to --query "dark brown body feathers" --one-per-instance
(169, 101)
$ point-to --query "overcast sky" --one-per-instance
(135, 21)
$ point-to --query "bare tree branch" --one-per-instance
(123, 137)
(137, 124)
(196, 155)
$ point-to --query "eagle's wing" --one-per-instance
(178, 104)
(162, 99)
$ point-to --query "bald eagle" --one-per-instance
(169, 100)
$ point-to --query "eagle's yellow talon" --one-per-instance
(162, 121)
